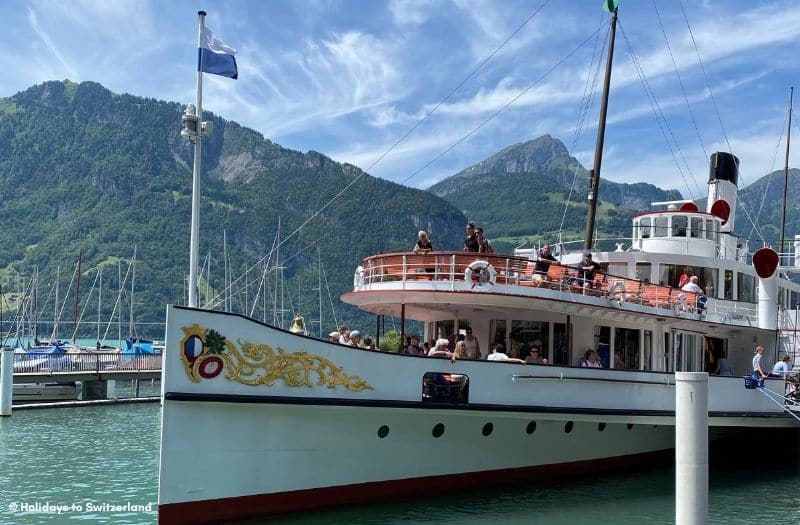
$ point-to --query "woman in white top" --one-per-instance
(757, 368)
(592, 361)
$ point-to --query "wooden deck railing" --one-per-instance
(517, 271)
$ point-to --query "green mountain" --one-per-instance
(82, 168)
(764, 200)
(522, 190)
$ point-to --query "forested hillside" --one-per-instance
(82, 168)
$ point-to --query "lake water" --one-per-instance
(96, 457)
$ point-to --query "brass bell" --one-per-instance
(298, 325)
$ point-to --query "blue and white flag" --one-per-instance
(215, 56)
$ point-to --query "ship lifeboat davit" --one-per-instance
(765, 263)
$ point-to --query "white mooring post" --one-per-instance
(6, 380)
(691, 448)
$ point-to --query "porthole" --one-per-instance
(383, 431)
(487, 429)
(601, 427)
(568, 427)
(438, 430)
(531, 428)
(630, 426)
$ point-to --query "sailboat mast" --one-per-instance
(133, 281)
(225, 263)
(77, 297)
(594, 175)
(99, 301)
(786, 172)
(319, 288)
(119, 298)
(55, 306)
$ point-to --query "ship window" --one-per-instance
(643, 271)
(648, 350)
(618, 269)
(626, 348)
(679, 225)
(438, 387)
(711, 229)
(688, 352)
(443, 329)
(644, 228)
(746, 288)
(560, 344)
(728, 284)
(497, 331)
(697, 227)
(661, 226)
(524, 335)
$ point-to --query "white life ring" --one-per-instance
(358, 278)
(480, 273)
(617, 288)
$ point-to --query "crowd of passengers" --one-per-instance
(474, 242)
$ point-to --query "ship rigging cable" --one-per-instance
(716, 110)
(587, 102)
(472, 73)
(661, 119)
(706, 157)
(769, 179)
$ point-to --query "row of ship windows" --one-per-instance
(438, 429)
(678, 226)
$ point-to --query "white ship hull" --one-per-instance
(267, 422)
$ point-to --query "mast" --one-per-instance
(133, 280)
(594, 174)
(99, 300)
(194, 240)
(786, 173)
(225, 263)
(55, 306)
(77, 297)
(319, 288)
(277, 266)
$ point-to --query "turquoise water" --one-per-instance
(109, 455)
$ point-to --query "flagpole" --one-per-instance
(194, 242)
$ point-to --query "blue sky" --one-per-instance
(348, 78)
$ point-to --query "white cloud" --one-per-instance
(410, 12)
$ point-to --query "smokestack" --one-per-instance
(723, 180)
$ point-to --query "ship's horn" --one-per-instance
(298, 325)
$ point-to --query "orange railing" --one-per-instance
(518, 271)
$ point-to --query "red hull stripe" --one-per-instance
(262, 505)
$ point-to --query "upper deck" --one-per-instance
(441, 280)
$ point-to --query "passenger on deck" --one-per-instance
(484, 246)
(423, 244)
(535, 358)
(461, 350)
(592, 360)
(481, 240)
(757, 368)
(368, 344)
(413, 348)
(588, 269)
(333, 337)
(440, 350)
(355, 339)
(543, 261)
(344, 334)
(782, 367)
(473, 347)
(496, 354)
(684, 278)
(471, 240)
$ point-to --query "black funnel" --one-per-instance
(724, 166)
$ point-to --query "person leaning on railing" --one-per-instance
(423, 244)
